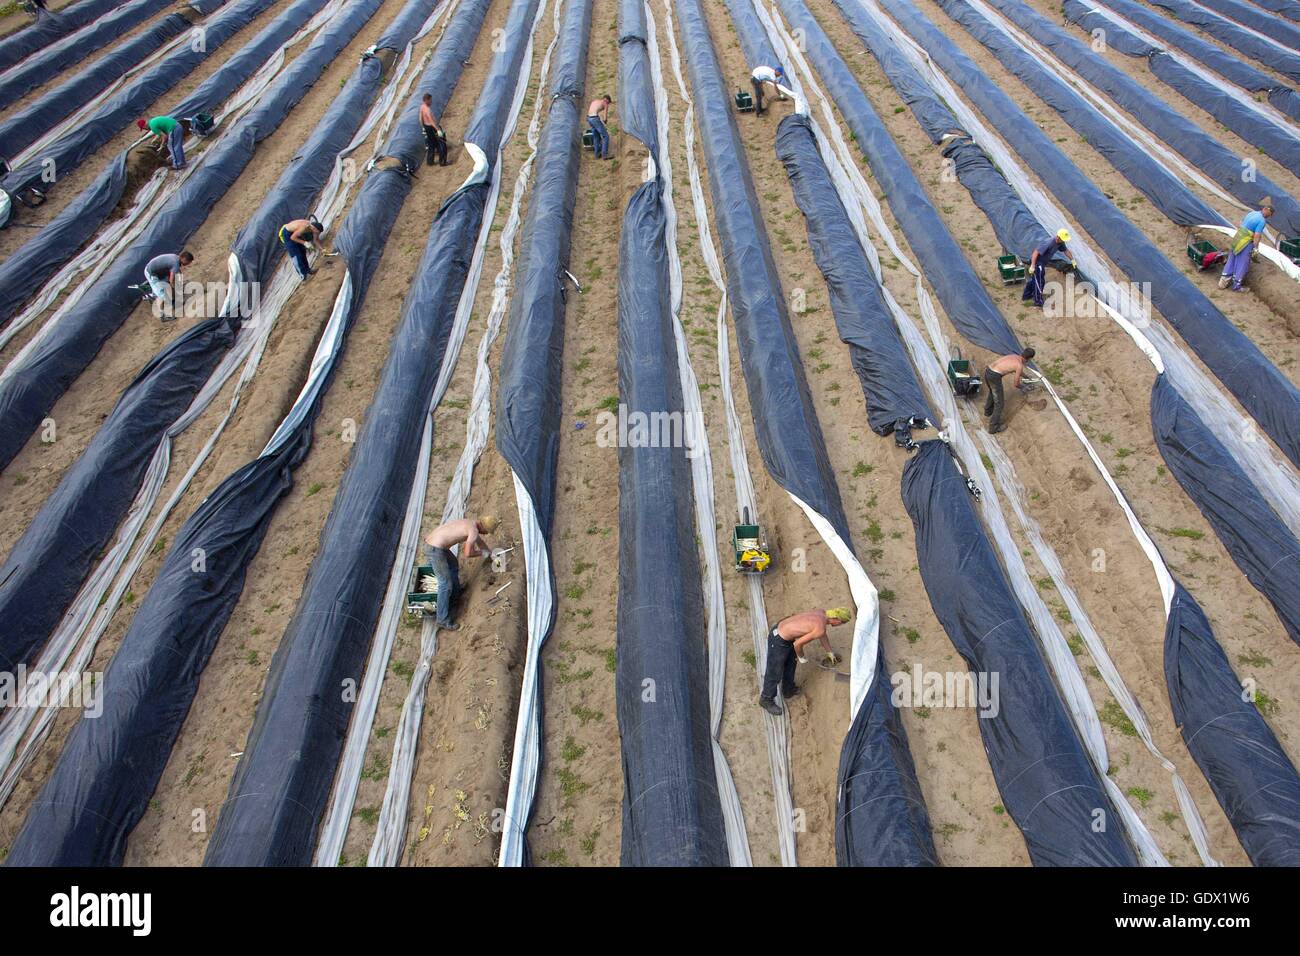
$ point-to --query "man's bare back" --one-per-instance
(454, 532)
(808, 626)
(1008, 365)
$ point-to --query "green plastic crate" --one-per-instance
(1010, 269)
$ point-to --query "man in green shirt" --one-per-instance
(170, 131)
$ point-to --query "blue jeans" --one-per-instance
(600, 136)
(176, 145)
(447, 570)
(297, 252)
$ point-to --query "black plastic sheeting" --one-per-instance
(874, 747)
(49, 27)
(1249, 772)
(63, 355)
(1209, 96)
(125, 106)
(1173, 128)
(1049, 785)
(881, 818)
(1203, 668)
(41, 257)
(1257, 20)
(863, 319)
(1234, 36)
(45, 568)
(1260, 543)
(1237, 362)
(1288, 8)
(1225, 64)
(53, 107)
(532, 356)
(1235, 507)
(110, 766)
(962, 294)
(43, 67)
(672, 813)
(1013, 223)
(283, 781)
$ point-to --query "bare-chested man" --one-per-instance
(1000, 367)
(441, 555)
(785, 645)
(296, 236)
(597, 117)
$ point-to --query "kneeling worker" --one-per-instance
(995, 403)
(296, 237)
(785, 644)
(441, 555)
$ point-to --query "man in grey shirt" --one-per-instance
(161, 273)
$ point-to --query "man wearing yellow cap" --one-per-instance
(785, 644)
(440, 554)
(1038, 260)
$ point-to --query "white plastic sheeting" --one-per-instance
(776, 728)
(858, 197)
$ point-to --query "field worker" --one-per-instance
(998, 369)
(759, 80)
(597, 117)
(297, 236)
(169, 132)
(161, 274)
(785, 645)
(1244, 243)
(1038, 261)
(440, 553)
(435, 137)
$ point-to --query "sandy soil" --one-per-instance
(16, 19)
(467, 733)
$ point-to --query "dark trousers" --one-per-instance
(758, 94)
(781, 662)
(994, 400)
(435, 144)
(599, 137)
(297, 252)
(447, 570)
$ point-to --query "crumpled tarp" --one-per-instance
(863, 319)
(881, 818)
(1047, 781)
(109, 767)
(282, 783)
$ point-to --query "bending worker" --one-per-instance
(999, 368)
(435, 137)
(1244, 243)
(441, 555)
(1038, 261)
(760, 79)
(296, 237)
(168, 132)
(785, 645)
(161, 274)
(597, 117)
